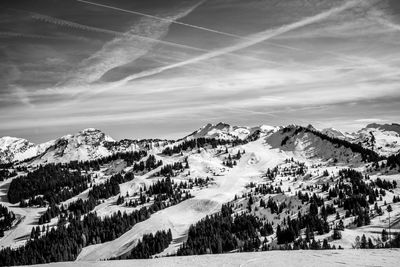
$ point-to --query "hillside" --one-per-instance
(285, 187)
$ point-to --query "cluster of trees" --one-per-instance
(129, 157)
(150, 164)
(6, 219)
(271, 174)
(200, 142)
(199, 181)
(55, 182)
(363, 243)
(300, 169)
(111, 187)
(5, 174)
(221, 233)
(164, 192)
(264, 189)
(170, 170)
(385, 184)
(303, 244)
(289, 230)
(393, 161)
(149, 245)
(230, 161)
(78, 207)
(64, 242)
(271, 204)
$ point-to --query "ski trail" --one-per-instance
(207, 201)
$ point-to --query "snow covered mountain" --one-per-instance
(382, 138)
(85, 145)
(91, 143)
(17, 149)
(88, 144)
(228, 132)
(279, 161)
(332, 132)
(306, 144)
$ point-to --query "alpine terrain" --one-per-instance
(221, 189)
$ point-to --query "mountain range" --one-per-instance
(283, 186)
(92, 143)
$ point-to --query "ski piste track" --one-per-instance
(317, 258)
(178, 218)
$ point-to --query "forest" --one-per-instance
(149, 245)
(55, 182)
(6, 219)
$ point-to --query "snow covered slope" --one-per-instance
(382, 138)
(91, 143)
(306, 145)
(332, 132)
(86, 145)
(258, 158)
(319, 258)
(228, 132)
(18, 149)
(271, 148)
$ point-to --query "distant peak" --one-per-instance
(90, 130)
(310, 127)
(394, 127)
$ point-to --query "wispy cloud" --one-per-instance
(335, 64)
(133, 44)
(251, 40)
(371, 120)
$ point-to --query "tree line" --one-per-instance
(6, 219)
(149, 245)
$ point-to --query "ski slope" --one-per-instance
(318, 258)
(178, 218)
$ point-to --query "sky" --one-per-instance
(162, 69)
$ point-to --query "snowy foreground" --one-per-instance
(349, 257)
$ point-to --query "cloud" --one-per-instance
(131, 45)
(369, 120)
(22, 95)
(167, 20)
(250, 40)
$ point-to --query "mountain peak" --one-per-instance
(90, 130)
(394, 127)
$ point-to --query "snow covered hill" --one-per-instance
(92, 144)
(307, 145)
(228, 132)
(88, 144)
(382, 138)
(319, 258)
(333, 133)
(224, 166)
(17, 149)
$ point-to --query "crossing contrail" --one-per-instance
(243, 38)
(163, 19)
(252, 40)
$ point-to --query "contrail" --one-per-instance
(388, 24)
(163, 19)
(190, 25)
(35, 36)
(71, 24)
(254, 39)
(74, 25)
